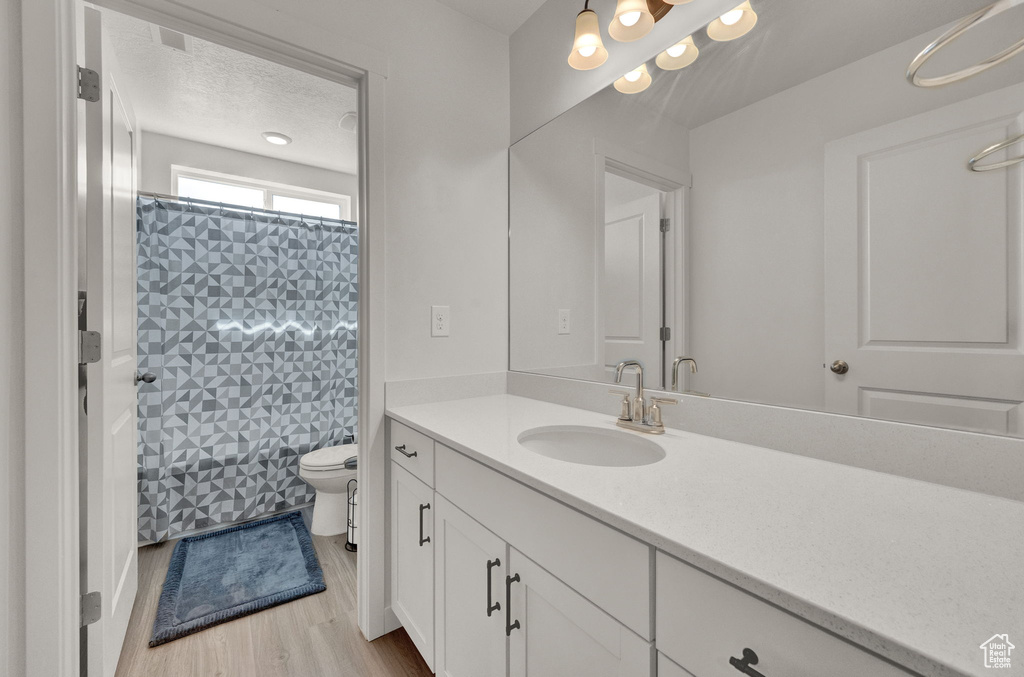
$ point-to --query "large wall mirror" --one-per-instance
(793, 214)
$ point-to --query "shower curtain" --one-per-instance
(248, 320)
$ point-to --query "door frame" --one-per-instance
(51, 50)
(675, 183)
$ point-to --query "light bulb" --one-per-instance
(734, 23)
(636, 80)
(587, 50)
(629, 18)
(676, 51)
(730, 18)
(277, 138)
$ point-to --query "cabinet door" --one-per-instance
(412, 558)
(561, 633)
(470, 563)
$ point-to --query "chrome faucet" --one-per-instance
(675, 370)
(638, 406)
(636, 415)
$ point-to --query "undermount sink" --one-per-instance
(591, 446)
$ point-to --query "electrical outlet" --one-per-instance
(563, 321)
(440, 320)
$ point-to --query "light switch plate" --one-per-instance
(563, 321)
(440, 320)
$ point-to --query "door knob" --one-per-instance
(840, 367)
(148, 377)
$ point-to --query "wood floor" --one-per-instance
(315, 636)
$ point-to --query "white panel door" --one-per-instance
(110, 469)
(923, 270)
(412, 558)
(561, 633)
(470, 565)
(630, 303)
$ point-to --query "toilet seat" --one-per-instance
(328, 458)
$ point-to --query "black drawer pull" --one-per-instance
(743, 664)
(491, 608)
(509, 625)
(408, 454)
(423, 506)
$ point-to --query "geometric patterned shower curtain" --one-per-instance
(248, 320)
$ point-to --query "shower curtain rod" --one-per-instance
(242, 208)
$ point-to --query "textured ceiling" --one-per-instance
(226, 98)
(504, 16)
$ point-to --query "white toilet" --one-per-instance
(324, 469)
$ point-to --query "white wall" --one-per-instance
(757, 219)
(12, 600)
(556, 186)
(159, 152)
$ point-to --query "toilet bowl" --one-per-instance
(324, 470)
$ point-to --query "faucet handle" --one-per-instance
(627, 407)
(664, 400)
(656, 403)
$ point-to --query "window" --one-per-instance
(244, 192)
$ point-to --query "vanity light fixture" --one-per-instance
(633, 20)
(635, 81)
(733, 24)
(277, 138)
(587, 49)
(679, 55)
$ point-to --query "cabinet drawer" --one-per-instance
(703, 622)
(609, 568)
(414, 451)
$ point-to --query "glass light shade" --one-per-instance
(641, 80)
(637, 29)
(587, 49)
(668, 62)
(722, 32)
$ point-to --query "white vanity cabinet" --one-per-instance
(557, 631)
(471, 565)
(705, 624)
(412, 558)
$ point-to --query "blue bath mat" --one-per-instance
(227, 574)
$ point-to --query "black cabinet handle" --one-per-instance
(491, 608)
(408, 454)
(509, 625)
(743, 664)
(423, 506)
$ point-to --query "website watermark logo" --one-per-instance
(997, 650)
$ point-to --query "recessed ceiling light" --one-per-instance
(277, 138)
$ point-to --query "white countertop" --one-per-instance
(919, 573)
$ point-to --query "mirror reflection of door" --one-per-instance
(923, 270)
(631, 291)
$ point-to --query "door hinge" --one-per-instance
(665, 224)
(666, 333)
(88, 84)
(92, 608)
(90, 347)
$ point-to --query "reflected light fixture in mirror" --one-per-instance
(679, 55)
(636, 80)
(733, 24)
(633, 20)
(587, 49)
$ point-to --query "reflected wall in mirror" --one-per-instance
(820, 210)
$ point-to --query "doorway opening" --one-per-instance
(220, 264)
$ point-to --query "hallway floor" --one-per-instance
(315, 636)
